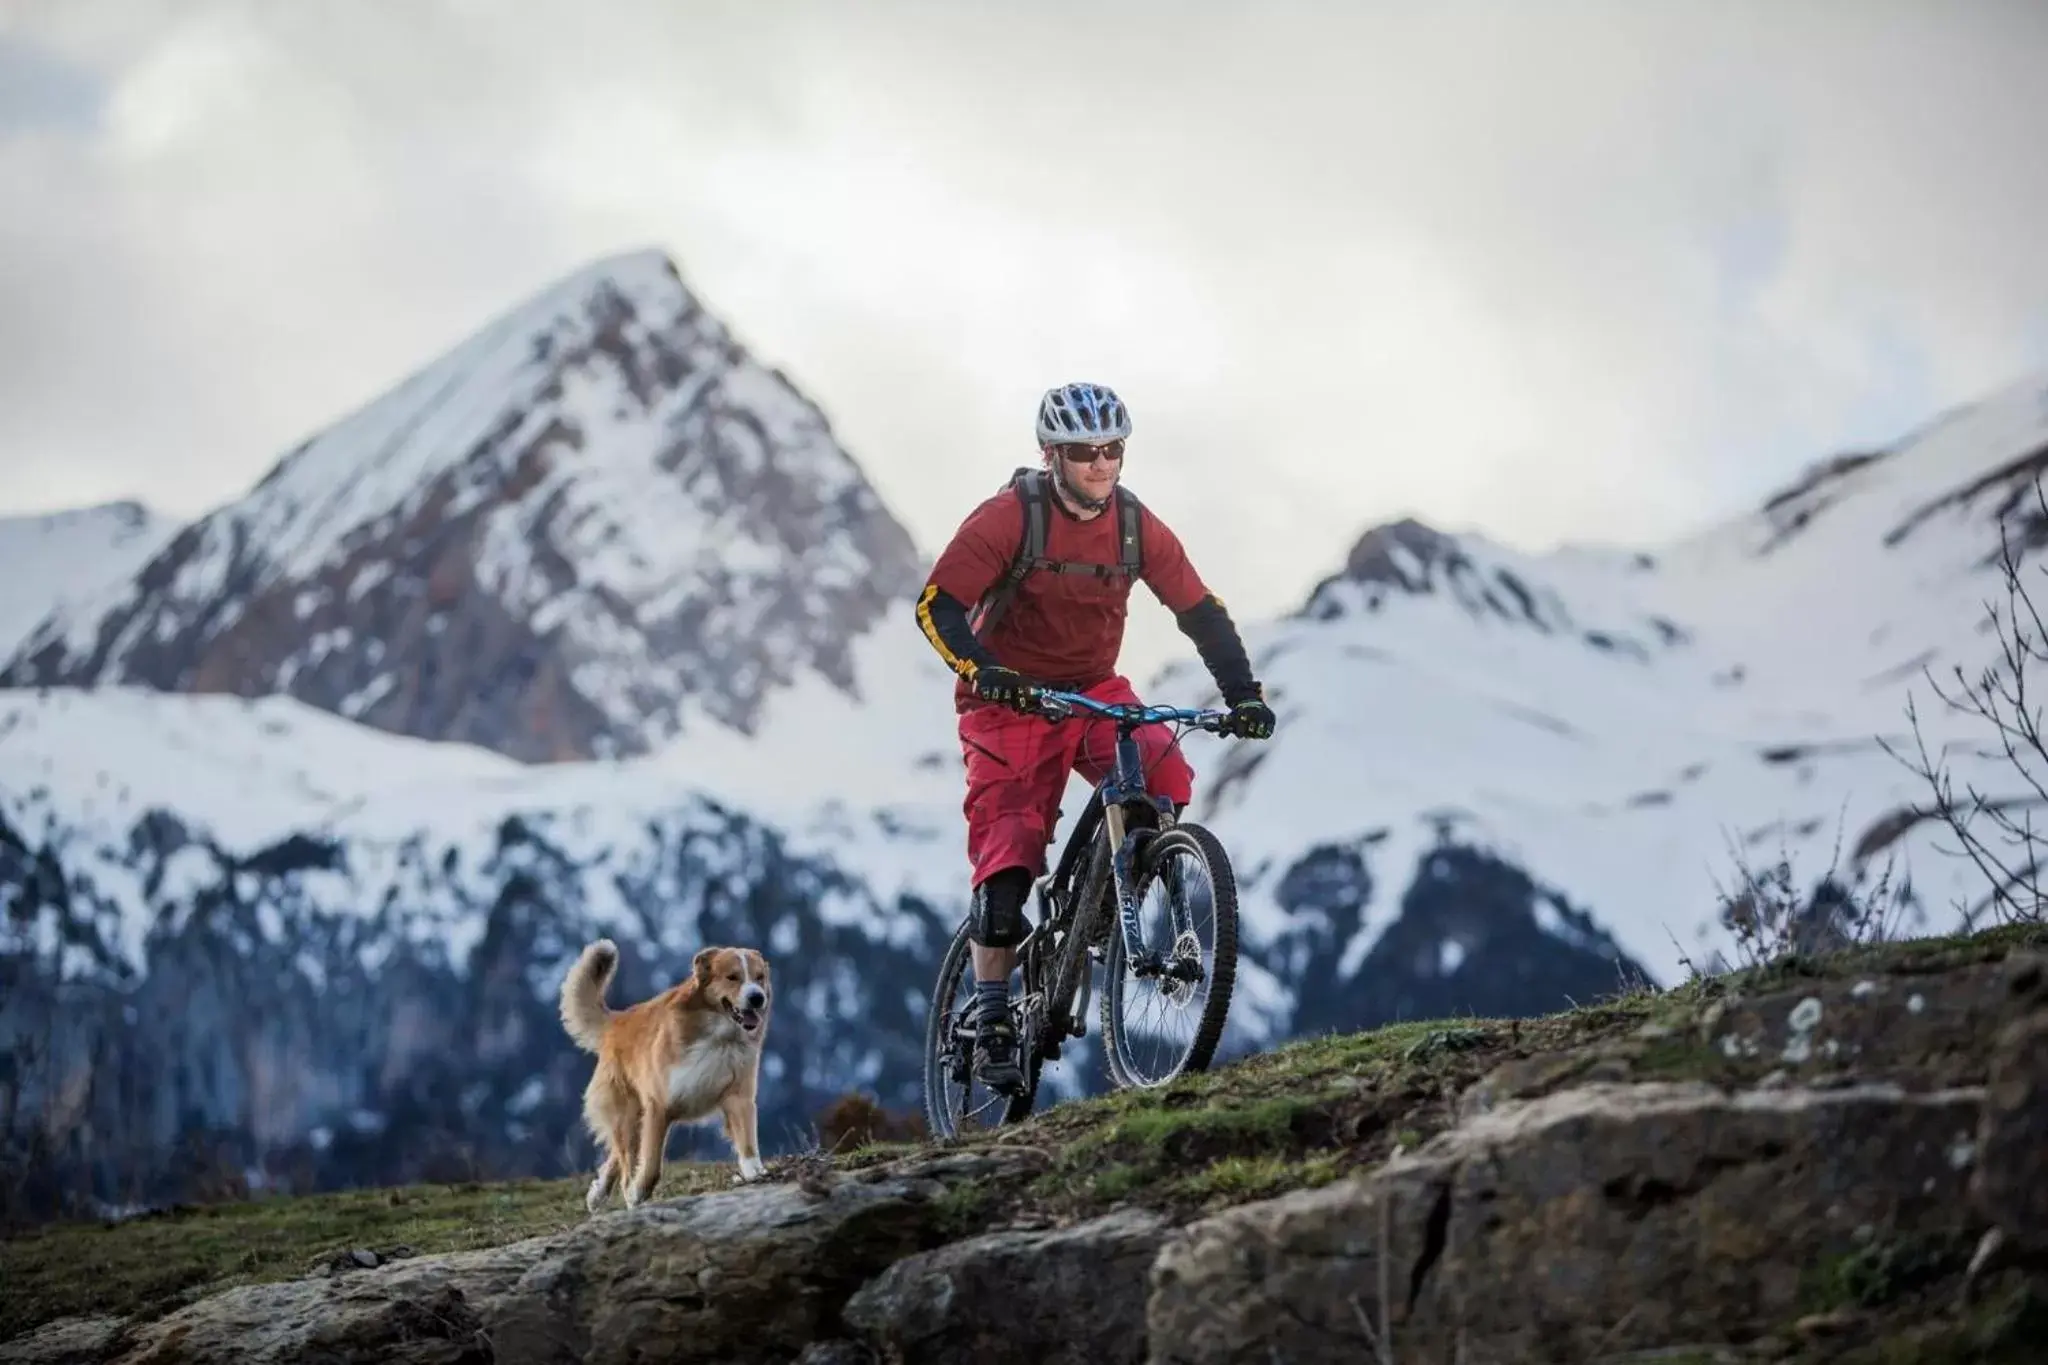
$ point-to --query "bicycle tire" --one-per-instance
(1179, 839)
(938, 1118)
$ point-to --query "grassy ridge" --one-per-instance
(1303, 1114)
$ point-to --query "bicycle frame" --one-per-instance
(1125, 783)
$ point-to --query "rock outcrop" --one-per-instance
(1599, 1219)
(1876, 1154)
(1068, 1296)
(2010, 1178)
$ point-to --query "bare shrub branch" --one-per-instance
(1771, 919)
(1997, 835)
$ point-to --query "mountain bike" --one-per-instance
(1126, 843)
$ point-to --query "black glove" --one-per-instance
(1004, 686)
(1251, 718)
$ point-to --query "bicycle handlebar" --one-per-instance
(1057, 705)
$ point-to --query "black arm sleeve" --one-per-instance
(943, 619)
(1222, 650)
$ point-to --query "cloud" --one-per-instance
(1589, 271)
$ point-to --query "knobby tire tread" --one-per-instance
(1223, 981)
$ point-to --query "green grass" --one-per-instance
(1303, 1114)
(1235, 1179)
(1165, 1132)
(2004, 1326)
(1879, 1273)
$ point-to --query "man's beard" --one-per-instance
(1059, 474)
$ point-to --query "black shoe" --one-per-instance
(995, 1051)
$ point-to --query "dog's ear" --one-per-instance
(701, 965)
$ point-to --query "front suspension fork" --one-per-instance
(1124, 843)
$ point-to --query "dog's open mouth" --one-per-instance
(746, 1019)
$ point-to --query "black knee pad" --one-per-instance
(997, 919)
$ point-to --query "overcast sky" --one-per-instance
(1552, 270)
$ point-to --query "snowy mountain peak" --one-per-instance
(393, 448)
(1485, 582)
(56, 561)
(594, 517)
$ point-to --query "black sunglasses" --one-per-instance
(1076, 453)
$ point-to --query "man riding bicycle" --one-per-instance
(1049, 576)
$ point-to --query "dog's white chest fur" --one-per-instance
(712, 1065)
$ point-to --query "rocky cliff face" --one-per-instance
(596, 524)
(1827, 1160)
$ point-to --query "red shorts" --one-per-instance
(1018, 767)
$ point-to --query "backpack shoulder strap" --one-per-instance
(1029, 486)
(1130, 532)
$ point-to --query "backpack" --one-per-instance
(1029, 486)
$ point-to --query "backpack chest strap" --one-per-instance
(1030, 487)
(1076, 566)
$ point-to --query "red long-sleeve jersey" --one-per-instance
(1066, 630)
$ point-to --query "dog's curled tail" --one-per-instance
(583, 1009)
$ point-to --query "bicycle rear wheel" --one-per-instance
(1185, 865)
(954, 1102)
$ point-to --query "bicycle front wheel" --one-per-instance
(1155, 1028)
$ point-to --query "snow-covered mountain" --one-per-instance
(294, 933)
(593, 525)
(1624, 724)
(297, 944)
(61, 562)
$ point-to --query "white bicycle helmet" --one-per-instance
(1089, 413)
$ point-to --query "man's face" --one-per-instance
(1091, 469)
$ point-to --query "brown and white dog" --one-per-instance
(688, 1053)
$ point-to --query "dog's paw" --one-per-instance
(594, 1200)
(633, 1197)
(751, 1168)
